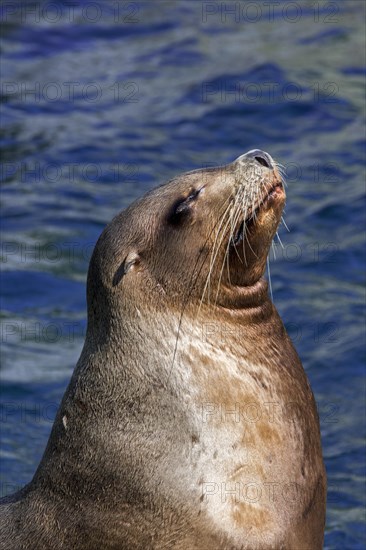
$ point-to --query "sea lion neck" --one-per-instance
(242, 305)
(244, 298)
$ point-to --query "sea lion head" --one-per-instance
(205, 234)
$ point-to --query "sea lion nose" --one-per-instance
(261, 157)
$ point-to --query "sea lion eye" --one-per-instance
(181, 208)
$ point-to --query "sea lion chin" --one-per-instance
(189, 422)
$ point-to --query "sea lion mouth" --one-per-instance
(241, 237)
(275, 191)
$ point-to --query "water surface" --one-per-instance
(97, 108)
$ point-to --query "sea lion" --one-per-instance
(189, 422)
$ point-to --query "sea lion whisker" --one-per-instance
(215, 249)
(234, 224)
(254, 201)
(280, 166)
(221, 232)
(226, 255)
(244, 232)
(221, 271)
(279, 240)
(254, 254)
(273, 250)
(228, 268)
(245, 236)
(269, 278)
(284, 223)
(283, 177)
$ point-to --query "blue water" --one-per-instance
(99, 105)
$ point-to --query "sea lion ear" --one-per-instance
(131, 261)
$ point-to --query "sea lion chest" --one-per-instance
(254, 425)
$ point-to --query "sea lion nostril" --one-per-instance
(263, 158)
(262, 161)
